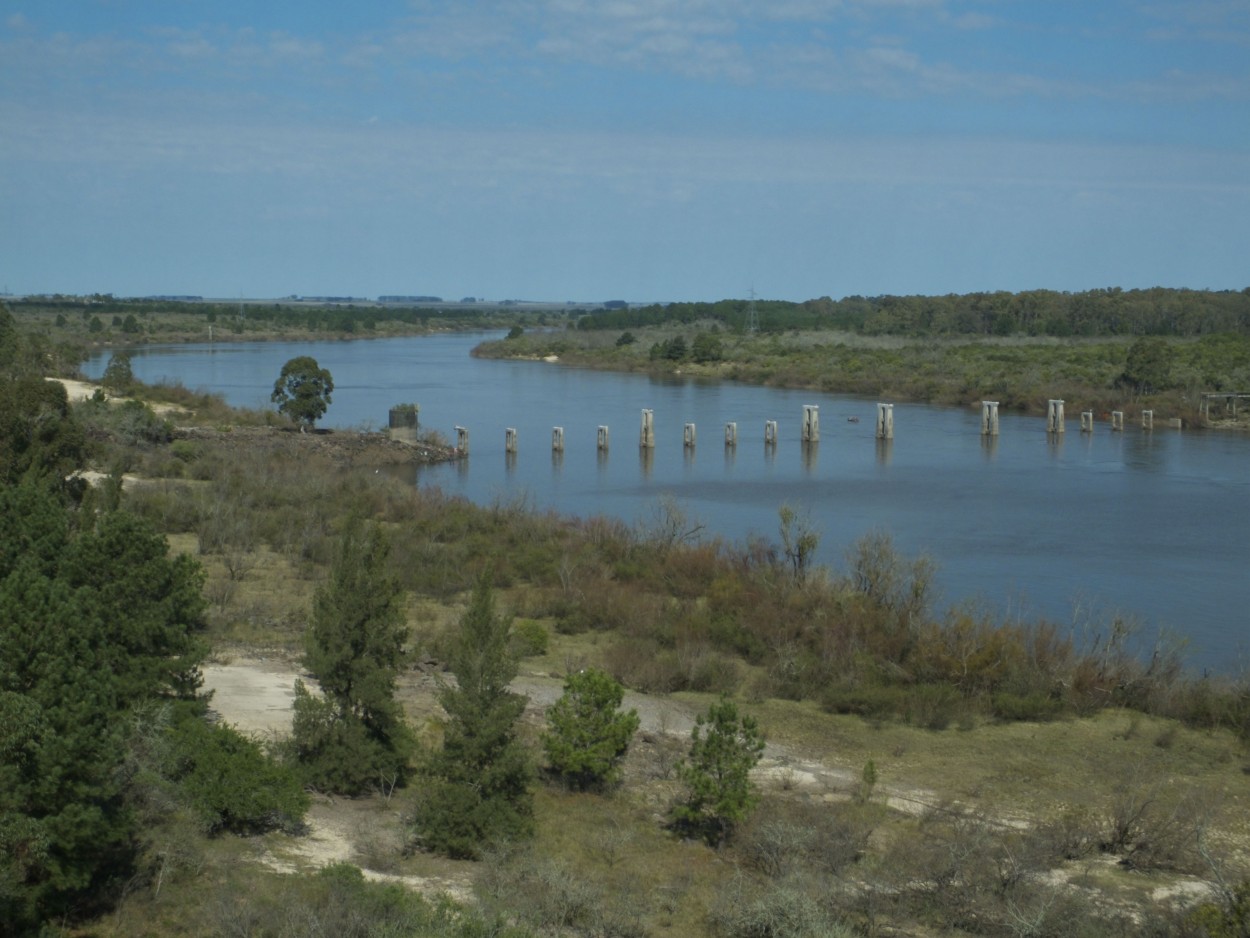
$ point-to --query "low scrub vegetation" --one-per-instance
(834, 756)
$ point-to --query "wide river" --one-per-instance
(1150, 525)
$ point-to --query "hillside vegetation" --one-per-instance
(926, 771)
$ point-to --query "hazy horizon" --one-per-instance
(633, 149)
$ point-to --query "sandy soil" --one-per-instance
(84, 390)
(253, 694)
(256, 695)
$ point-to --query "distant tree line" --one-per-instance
(100, 309)
(1106, 312)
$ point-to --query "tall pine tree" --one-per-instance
(479, 781)
(92, 623)
(353, 738)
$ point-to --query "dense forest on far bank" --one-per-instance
(102, 319)
(1111, 312)
(1103, 350)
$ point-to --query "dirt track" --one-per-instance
(256, 695)
(253, 694)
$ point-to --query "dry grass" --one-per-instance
(1020, 769)
(1015, 776)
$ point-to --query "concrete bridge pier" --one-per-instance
(885, 421)
(989, 418)
(1054, 416)
(646, 437)
(811, 424)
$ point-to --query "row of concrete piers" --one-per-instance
(809, 432)
(1055, 421)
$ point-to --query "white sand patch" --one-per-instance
(85, 390)
(254, 695)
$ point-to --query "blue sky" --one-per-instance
(633, 149)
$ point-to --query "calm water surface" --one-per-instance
(1152, 525)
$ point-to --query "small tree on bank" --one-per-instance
(478, 791)
(119, 376)
(724, 748)
(354, 737)
(302, 391)
(589, 734)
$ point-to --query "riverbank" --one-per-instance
(1022, 373)
(73, 327)
(1003, 742)
(899, 735)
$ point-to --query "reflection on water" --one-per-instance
(646, 460)
(1142, 453)
(885, 452)
(810, 454)
(1142, 522)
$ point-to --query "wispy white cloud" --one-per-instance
(821, 46)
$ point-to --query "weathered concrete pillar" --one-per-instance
(1054, 416)
(509, 440)
(602, 444)
(885, 421)
(462, 440)
(557, 439)
(989, 418)
(1117, 420)
(770, 432)
(1147, 419)
(811, 423)
(731, 434)
(403, 422)
(1087, 421)
(646, 438)
(687, 437)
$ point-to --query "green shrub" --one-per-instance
(934, 706)
(588, 733)
(724, 748)
(1037, 708)
(185, 450)
(870, 701)
(338, 900)
(529, 639)
(230, 783)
